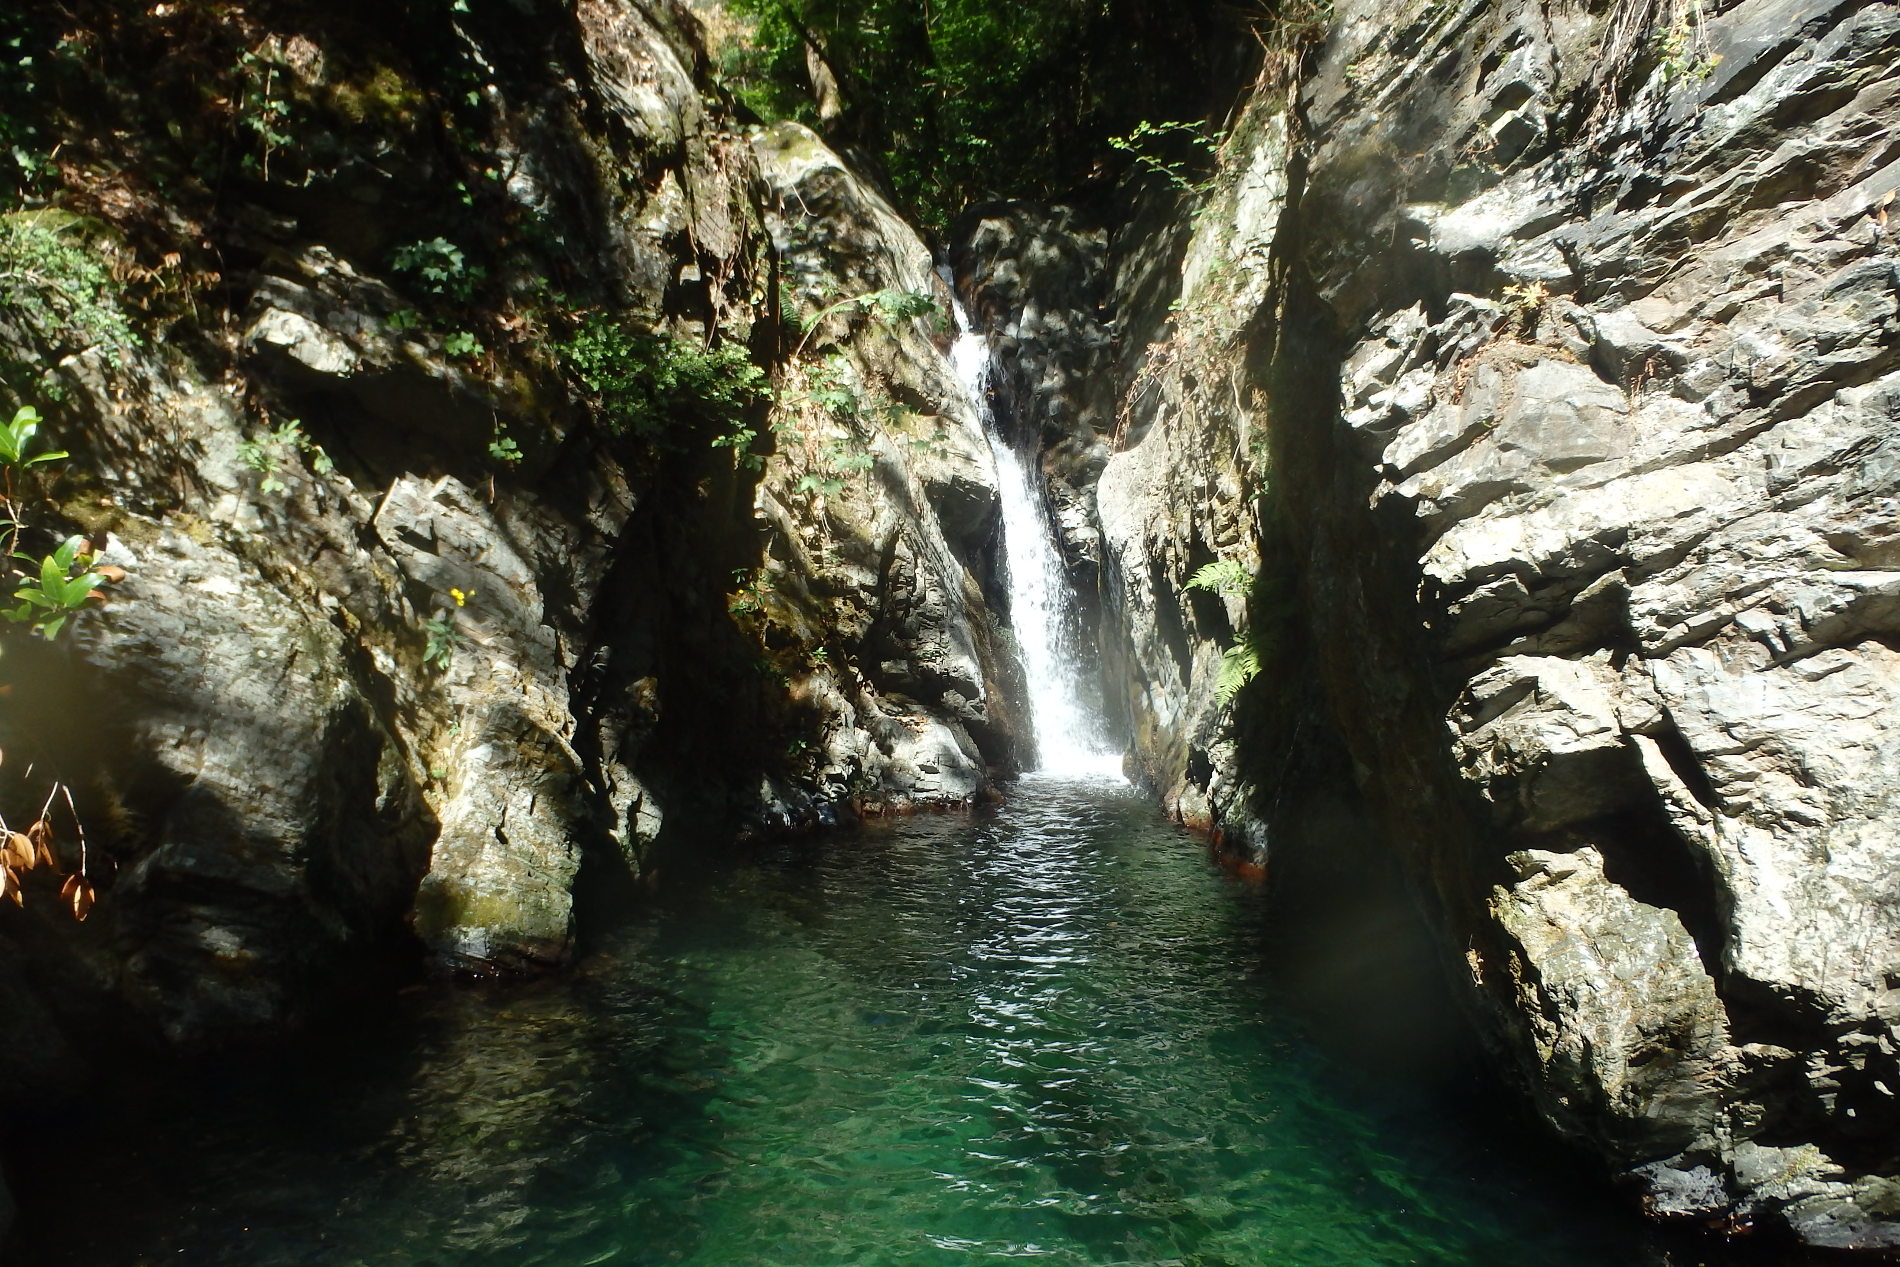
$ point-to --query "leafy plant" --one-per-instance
(59, 583)
(751, 587)
(1191, 145)
(439, 267)
(15, 436)
(462, 343)
(889, 305)
(849, 460)
(64, 583)
(1522, 303)
(54, 284)
(842, 460)
(1239, 665)
(645, 384)
(823, 485)
(502, 447)
(263, 109)
(270, 453)
(441, 640)
(829, 387)
(1682, 42)
(1227, 577)
(739, 440)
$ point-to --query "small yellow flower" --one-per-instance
(461, 597)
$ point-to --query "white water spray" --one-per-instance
(1068, 742)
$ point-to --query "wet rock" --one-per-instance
(1038, 286)
(1627, 1029)
(920, 705)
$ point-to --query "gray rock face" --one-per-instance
(1636, 409)
(882, 510)
(1178, 493)
(1038, 287)
(1553, 390)
(371, 681)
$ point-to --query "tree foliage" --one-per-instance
(969, 100)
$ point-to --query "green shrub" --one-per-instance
(441, 639)
(270, 453)
(439, 267)
(56, 285)
(1172, 150)
(17, 436)
(463, 343)
(502, 447)
(264, 108)
(652, 386)
(1240, 663)
(51, 588)
(889, 306)
(64, 583)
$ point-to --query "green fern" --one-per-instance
(1227, 577)
(1239, 665)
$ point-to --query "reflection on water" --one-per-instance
(1044, 1034)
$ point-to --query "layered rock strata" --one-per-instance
(1542, 365)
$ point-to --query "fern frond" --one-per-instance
(1239, 665)
(1226, 577)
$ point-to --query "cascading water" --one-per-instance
(1068, 742)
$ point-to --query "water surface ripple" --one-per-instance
(1045, 1034)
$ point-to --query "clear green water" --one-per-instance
(1044, 1034)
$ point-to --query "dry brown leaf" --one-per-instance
(18, 852)
(82, 901)
(72, 884)
(107, 572)
(40, 833)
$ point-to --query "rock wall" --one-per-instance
(1541, 365)
(1623, 384)
(415, 638)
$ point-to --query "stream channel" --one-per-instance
(1046, 1032)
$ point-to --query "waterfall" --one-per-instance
(1068, 741)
